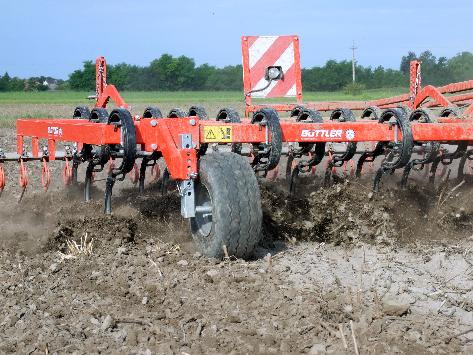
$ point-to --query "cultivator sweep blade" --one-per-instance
(215, 162)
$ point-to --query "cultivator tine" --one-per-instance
(155, 171)
(164, 182)
(465, 160)
(352, 168)
(23, 179)
(368, 157)
(2, 178)
(111, 165)
(45, 175)
(445, 158)
(371, 113)
(134, 174)
(272, 174)
(75, 166)
(291, 164)
(377, 178)
(108, 193)
(2, 171)
(433, 171)
(89, 176)
(330, 169)
(292, 181)
(142, 177)
(425, 171)
(67, 174)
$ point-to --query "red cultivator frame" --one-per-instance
(209, 158)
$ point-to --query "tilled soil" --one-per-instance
(338, 268)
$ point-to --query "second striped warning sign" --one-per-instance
(260, 54)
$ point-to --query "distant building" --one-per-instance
(51, 83)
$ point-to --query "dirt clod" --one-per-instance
(107, 323)
(394, 307)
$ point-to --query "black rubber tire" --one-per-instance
(230, 115)
(272, 120)
(295, 112)
(98, 115)
(81, 113)
(177, 113)
(422, 114)
(344, 115)
(372, 113)
(451, 111)
(102, 153)
(236, 206)
(123, 118)
(152, 112)
(198, 111)
(407, 110)
(407, 139)
(308, 115)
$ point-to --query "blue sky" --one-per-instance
(53, 37)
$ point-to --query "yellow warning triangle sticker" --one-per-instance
(210, 134)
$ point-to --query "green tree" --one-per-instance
(173, 73)
(180, 73)
(461, 66)
(202, 75)
(225, 79)
(5, 82)
(119, 75)
(17, 84)
(83, 79)
(406, 63)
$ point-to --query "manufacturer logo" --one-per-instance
(350, 134)
(55, 131)
(328, 133)
(321, 133)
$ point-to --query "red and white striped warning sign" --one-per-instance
(261, 52)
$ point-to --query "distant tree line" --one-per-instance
(169, 73)
(435, 71)
(8, 83)
(166, 73)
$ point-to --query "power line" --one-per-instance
(353, 61)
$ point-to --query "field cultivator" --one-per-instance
(214, 162)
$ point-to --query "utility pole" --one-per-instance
(353, 60)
